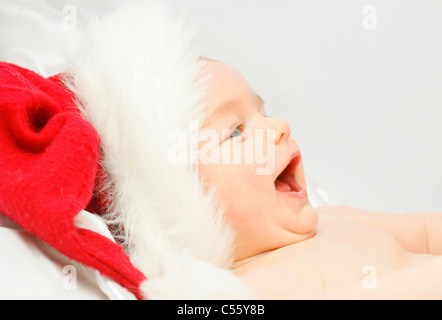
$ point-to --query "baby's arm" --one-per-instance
(422, 281)
(417, 232)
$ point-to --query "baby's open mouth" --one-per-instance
(286, 181)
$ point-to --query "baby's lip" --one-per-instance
(286, 183)
(291, 165)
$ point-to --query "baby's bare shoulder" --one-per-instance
(416, 282)
(409, 229)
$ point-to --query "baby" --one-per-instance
(285, 248)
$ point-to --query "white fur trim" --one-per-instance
(135, 81)
(192, 279)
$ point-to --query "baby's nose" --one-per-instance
(282, 129)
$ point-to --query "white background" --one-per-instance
(365, 105)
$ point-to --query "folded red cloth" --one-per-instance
(48, 165)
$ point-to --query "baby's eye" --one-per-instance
(236, 131)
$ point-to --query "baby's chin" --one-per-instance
(300, 228)
(304, 222)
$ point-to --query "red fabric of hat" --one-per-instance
(48, 165)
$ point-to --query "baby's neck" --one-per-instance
(248, 262)
(243, 263)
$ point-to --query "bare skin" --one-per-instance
(354, 254)
(285, 248)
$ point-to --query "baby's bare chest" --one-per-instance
(343, 251)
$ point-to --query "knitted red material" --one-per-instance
(48, 166)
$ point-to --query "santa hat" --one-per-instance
(104, 131)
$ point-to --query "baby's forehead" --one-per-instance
(228, 90)
(222, 76)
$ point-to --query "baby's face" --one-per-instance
(266, 203)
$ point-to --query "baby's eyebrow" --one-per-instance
(231, 105)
